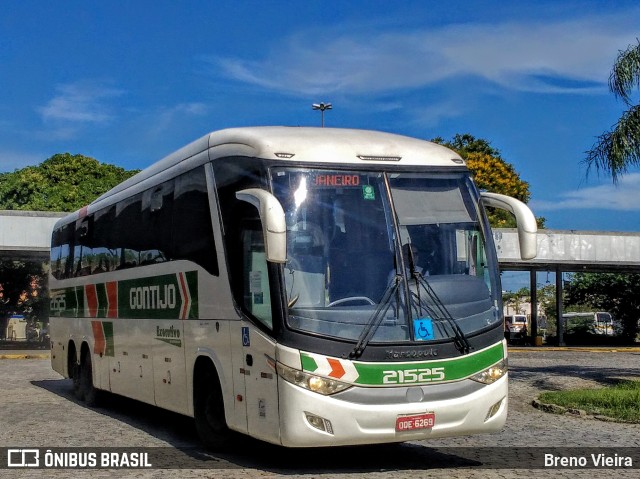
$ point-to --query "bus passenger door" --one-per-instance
(260, 378)
(261, 383)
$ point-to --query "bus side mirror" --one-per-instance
(527, 226)
(274, 227)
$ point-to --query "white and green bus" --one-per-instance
(593, 322)
(304, 286)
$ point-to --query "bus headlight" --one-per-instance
(311, 382)
(492, 374)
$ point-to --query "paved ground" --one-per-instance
(37, 410)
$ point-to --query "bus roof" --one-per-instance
(331, 146)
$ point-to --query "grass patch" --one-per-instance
(620, 401)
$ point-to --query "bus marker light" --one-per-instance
(319, 423)
(493, 410)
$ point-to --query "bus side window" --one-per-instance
(192, 228)
(128, 230)
(61, 250)
(83, 253)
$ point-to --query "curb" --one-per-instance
(576, 349)
(569, 411)
(25, 356)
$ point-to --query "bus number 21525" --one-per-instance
(409, 376)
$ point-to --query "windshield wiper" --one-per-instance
(376, 319)
(440, 313)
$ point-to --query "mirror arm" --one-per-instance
(526, 221)
(274, 227)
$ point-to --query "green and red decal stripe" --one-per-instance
(185, 296)
(103, 338)
(102, 300)
(169, 296)
(404, 373)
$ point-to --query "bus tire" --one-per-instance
(209, 409)
(90, 394)
(73, 368)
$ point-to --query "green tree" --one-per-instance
(466, 143)
(514, 300)
(618, 149)
(491, 173)
(64, 182)
(617, 293)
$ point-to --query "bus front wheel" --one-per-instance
(209, 410)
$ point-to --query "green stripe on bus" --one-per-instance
(308, 363)
(418, 372)
(426, 372)
(101, 291)
(107, 327)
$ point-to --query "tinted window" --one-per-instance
(192, 230)
(168, 222)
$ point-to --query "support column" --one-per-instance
(533, 288)
(559, 308)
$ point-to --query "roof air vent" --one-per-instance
(379, 158)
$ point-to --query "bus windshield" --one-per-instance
(346, 234)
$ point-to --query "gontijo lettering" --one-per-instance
(153, 297)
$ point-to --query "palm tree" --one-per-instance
(616, 150)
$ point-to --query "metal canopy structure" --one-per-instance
(571, 251)
(568, 251)
(26, 234)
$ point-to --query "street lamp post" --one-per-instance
(322, 107)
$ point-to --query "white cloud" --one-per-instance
(427, 117)
(80, 102)
(164, 118)
(565, 56)
(625, 196)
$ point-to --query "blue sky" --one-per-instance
(128, 82)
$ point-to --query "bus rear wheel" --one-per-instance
(209, 411)
(73, 367)
(90, 394)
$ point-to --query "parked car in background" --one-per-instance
(516, 325)
(598, 322)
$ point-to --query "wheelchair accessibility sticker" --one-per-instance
(423, 329)
(246, 340)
